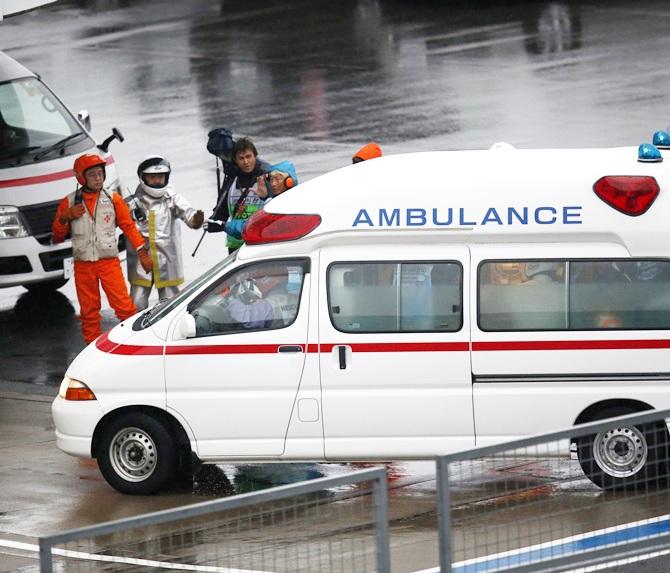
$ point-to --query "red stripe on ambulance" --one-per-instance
(571, 345)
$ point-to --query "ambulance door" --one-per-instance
(394, 351)
(554, 331)
(235, 382)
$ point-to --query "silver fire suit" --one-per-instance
(160, 228)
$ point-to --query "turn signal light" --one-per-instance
(263, 227)
(71, 389)
(629, 194)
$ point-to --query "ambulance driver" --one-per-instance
(91, 214)
(264, 301)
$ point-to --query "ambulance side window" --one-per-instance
(523, 295)
(620, 294)
(395, 296)
(260, 296)
(574, 295)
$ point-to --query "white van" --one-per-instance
(404, 307)
(39, 141)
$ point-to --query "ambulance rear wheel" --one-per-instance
(137, 454)
(625, 457)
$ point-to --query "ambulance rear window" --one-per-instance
(605, 294)
(395, 296)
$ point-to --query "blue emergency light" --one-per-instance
(661, 139)
(647, 153)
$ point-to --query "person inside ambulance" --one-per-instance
(157, 209)
(507, 273)
(91, 214)
(543, 272)
(264, 301)
(368, 151)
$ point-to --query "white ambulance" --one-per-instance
(39, 141)
(404, 307)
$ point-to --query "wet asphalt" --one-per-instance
(309, 81)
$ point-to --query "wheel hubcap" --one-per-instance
(620, 452)
(133, 454)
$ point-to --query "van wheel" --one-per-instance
(45, 286)
(625, 457)
(137, 454)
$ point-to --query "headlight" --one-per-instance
(11, 224)
(71, 389)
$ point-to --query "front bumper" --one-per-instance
(75, 423)
(24, 260)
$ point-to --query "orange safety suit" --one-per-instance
(89, 274)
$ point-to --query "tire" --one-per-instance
(625, 457)
(45, 286)
(137, 454)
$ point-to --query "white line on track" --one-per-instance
(126, 560)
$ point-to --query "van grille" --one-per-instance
(39, 219)
(15, 265)
(53, 260)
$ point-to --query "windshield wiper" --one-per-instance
(147, 315)
(12, 153)
(59, 145)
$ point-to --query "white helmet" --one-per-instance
(154, 164)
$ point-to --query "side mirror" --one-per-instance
(85, 119)
(185, 328)
(116, 134)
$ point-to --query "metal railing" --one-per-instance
(328, 524)
(525, 506)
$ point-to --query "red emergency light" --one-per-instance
(263, 227)
(629, 194)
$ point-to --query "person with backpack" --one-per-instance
(238, 199)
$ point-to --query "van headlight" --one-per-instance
(71, 389)
(11, 224)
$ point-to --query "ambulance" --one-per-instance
(407, 306)
(39, 141)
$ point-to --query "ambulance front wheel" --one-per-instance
(137, 454)
(625, 457)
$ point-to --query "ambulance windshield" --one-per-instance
(164, 307)
(35, 126)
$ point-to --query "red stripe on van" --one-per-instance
(571, 345)
(104, 344)
(45, 178)
(226, 349)
(402, 347)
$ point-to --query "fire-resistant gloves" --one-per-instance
(71, 213)
(145, 260)
(198, 219)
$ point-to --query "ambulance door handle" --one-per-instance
(289, 349)
(342, 352)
